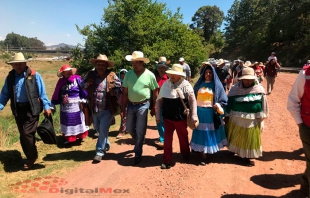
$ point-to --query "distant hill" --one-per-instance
(53, 47)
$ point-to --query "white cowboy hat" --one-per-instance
(248, 73)
(176, 69)
(181, 59)
(103, 58)
(18, 58)
(221, 61)
(247, 64)
(66, 68)
(137, 56)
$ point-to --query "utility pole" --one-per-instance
(7, 51)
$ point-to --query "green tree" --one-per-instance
(17, 41)
(207, 20)
(143, 25)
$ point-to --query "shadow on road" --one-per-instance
(11, 160)
(292, 194)
(272, 155)
(276, 181)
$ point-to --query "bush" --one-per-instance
(5, 56)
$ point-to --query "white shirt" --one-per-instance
(294, 98)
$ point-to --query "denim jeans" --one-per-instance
(160, 127)
(102, 123)
(136, 124)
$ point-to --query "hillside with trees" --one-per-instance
(16, 41)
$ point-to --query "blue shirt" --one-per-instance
(20, 91)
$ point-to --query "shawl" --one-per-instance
(170, 89)
(219, 92)
(238, 89)
(61, 82)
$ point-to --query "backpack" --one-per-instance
(46, 131)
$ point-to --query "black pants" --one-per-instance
(304, 132)
(27, 127)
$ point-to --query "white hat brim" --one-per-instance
(248, 77)
(20, 61)
(129, 58)
(175, 72)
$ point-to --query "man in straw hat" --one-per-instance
(222, 72)
(103, 87)
(137, 86)
(169, 100)
(247, 108)
(298, 105)
(25, 89)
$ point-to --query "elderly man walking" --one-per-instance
(103, 87)
(186, 69)
(25, 89)
(137, 86)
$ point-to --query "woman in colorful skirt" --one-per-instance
(211, 98)
(69, 95)
(247, 108)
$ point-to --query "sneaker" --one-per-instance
(97, 159)
(165, 166)
(136, 161)
(120, 135)
(29, 164)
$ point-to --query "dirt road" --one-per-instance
(276, 174)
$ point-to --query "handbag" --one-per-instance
(87, 113)
(216, 120)
(46, 131)
(192, 125)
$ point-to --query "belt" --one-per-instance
(136, 103)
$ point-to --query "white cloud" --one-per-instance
(1, 38)
(68, 35)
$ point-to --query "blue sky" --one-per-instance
(53, 21)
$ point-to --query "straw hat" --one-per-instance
(176, 69)
(137, 56)
(261, 64)
(65, 68)
(248, 73)
(206, 63)
(221, 61)
(102, 58)
(247, 64)
(18, 58)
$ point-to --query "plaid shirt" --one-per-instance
(100, 99)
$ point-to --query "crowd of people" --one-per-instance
(221, 114)
(167, 93)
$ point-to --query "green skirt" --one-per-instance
(244, 137)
